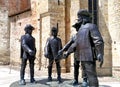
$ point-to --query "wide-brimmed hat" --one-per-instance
(54, 29)
(83, 12)
(29, 27)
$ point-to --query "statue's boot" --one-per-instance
(59, 75)
(22, 73)
(22, 82)
(49, 73)
(32, 80)
(75, 82)
(84, 83)
(59, 79)
(76, 73)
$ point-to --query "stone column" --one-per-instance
(104, 29)
(4, 36)
(67, 31)
(114, 29)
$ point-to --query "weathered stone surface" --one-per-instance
(4, 36)
(114, 28)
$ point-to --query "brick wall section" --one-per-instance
(4, 36)
(18, 6)
(17, 24)
(3, 3)
(43, 6)
(83, 4)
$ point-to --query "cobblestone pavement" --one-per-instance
(10, 77)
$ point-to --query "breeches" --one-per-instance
(23, 66)
(51, 61)
(57, 66)
(76, 70)
(90, 69)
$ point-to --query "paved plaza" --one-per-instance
(10, 78)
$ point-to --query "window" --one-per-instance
(92, 8)
(58, 2)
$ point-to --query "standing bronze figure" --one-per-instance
(28, 51)
(53, 45)
(90, 47)
(77, 25)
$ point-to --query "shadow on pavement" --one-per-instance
(44, 83)
(105, 86)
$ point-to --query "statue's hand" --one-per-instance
(65, 55)
(32, 53)
(100, 59)
(60, 52)
(46, 55)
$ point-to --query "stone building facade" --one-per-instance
(43, 14)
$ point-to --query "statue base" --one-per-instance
(45, 83)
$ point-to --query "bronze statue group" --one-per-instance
(87, 45)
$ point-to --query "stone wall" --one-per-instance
(104, 29)
(4, 36)
(114, 29)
